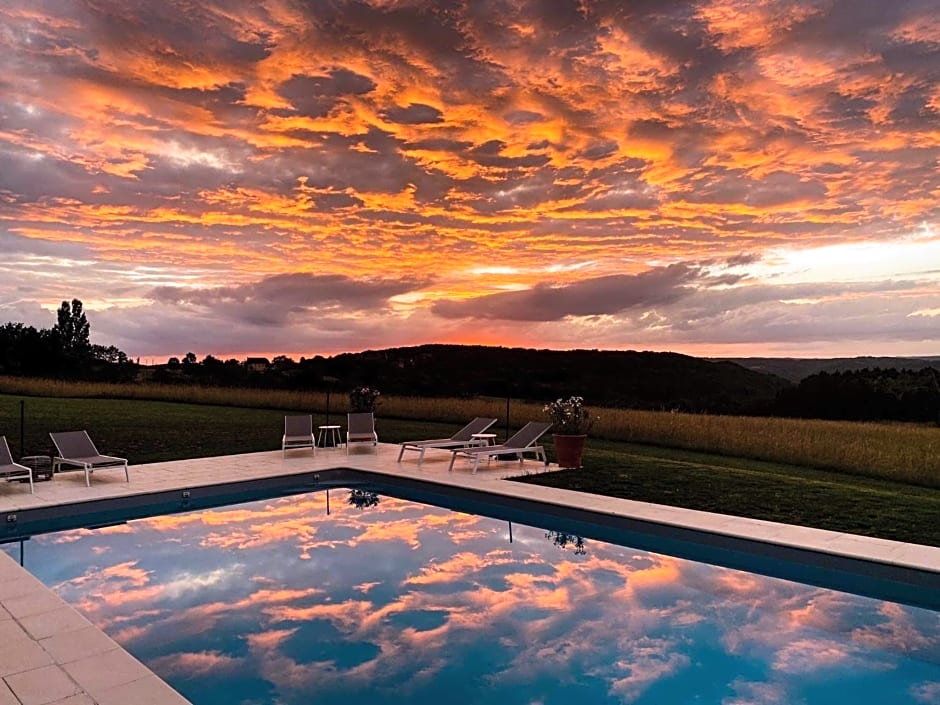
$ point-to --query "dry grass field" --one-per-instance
(907, 453)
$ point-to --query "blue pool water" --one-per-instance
(278, 602)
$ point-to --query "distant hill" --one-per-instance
(796, 369)
(643, 380)
(863, 388)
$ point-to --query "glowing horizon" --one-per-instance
(720, 178)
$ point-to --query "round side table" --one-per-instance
(328, 433)
(483, 439)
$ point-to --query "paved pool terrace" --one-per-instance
(51, 655)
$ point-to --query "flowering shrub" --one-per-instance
(364, 399)
(568, 416)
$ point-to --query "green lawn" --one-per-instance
(146, 431)
(783, 493)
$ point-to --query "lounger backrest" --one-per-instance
(478, 425)
(74, 444)
(361, 422)
(6, 458)
(528, 434)
(298, 425)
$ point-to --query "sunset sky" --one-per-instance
(720, 177)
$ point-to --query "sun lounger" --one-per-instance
(76, 450)
(298, 433)
(461, 439)
(360, 428)
(523, 441)
(9, 470)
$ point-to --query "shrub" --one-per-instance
(568, 416)
(363, 399)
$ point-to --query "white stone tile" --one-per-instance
(45, 624)
(6, 695)
(41, 686)
(40, 600)
(10, 630)
(107, 670)
(9, 568)
(20, 653)
(80, 699)
(66, 647)
(21, 586)
(146, 691)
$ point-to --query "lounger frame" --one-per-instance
(10, 470)
(77, 451)
(461, 439)
(522, 442)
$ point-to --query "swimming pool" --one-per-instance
(353, 596)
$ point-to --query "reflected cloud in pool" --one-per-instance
(278, 601)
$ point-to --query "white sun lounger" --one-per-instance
(461, 439)
(10, 470)
(524, 441)
(75, 449)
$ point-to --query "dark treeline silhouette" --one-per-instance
(643, 380)
(626, 379)
(796, 369)
(63, 351)
(865, 395)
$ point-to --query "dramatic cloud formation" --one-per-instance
(276, 176)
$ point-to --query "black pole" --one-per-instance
(327, 407)
(22, 427)
(507, 416)
(510, 532)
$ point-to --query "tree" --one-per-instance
(27, 351)
(72, 330)
(283, 363)
(109, 354)
(63, 349)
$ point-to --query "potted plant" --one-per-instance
(571, 422)
(363, 399)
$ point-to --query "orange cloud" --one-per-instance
(213, 144)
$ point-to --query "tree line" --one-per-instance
(626, 379)
(63, 351)
(865, 395)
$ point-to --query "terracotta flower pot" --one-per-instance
(569, 449)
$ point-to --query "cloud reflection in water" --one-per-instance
(276, 601)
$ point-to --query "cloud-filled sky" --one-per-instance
(714, 177)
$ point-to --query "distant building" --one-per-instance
(257, 364)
